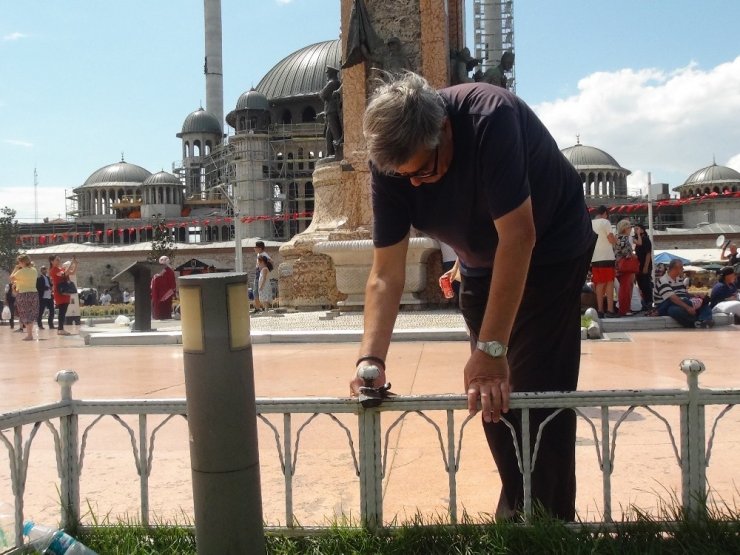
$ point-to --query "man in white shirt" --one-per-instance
(602, 262)
(105, 298)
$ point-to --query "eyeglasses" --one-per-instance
(420, 173)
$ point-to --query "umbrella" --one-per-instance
(713, 267)
(666, 257)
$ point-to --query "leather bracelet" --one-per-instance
(370, 358)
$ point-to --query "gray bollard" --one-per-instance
(222, 413)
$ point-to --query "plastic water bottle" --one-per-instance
(51, 541)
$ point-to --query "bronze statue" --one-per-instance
(497, 75)
(461, 63)
(331, 95)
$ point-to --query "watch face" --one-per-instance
(496, 349)
(493, 348)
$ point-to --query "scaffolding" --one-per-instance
(493, 27)
(268, 173)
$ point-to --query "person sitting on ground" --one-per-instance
(602, 262)
(673, 300)
(723, 297)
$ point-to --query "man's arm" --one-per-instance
(382, 297)
(675, 299)
(487, 377)
(664, 292)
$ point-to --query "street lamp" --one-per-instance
(238, 261)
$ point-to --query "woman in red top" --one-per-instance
(61, 301)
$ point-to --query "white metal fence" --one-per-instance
(368, 443)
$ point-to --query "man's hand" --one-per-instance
(487, 378)
(357, 382)
(450, 275)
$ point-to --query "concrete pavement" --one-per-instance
(325, 481)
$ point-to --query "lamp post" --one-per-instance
(238, 260)
(222, 413)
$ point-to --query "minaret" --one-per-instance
(213, 67)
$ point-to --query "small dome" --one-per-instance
(588, 157)
(162, 178)
(200, 121)
(713, 175)
(302, 73)
(252, 100)
(120, 173)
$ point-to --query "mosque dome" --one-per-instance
(162, 178)
(200, 121)
(712, 179)
(252, 100)
(714, 175)
(302, 73)
(585, 157)
(119, 174)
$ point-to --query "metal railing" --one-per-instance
(368, 444)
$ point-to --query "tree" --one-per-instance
(162, 242)
(9, 230)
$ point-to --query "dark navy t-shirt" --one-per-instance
(503, 154)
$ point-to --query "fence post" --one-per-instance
(371, 472)
(70, 470)
(693, 442)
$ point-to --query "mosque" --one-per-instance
(267, 159)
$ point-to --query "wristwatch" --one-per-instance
(492, 348)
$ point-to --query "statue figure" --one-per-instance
(392, 58)
(497, 75)
(462, 63)
(332, 97)
(362, 41)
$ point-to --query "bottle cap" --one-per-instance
(28, 526)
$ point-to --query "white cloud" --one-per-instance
(734, 162)
(16, 142)
(671, 123)
(14, 36)
(51, 201)
(283, 1)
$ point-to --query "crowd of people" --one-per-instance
(624, 260)
(32, 293)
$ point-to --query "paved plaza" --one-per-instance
(325, 483)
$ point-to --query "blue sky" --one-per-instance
(654, 83)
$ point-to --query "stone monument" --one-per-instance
(417, 34)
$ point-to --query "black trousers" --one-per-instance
(62, 315)
(46, 304)
(645, 283)
(544, 355)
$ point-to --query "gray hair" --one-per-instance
(623, 225)
(404, 115)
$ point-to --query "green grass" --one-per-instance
(716, 533)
